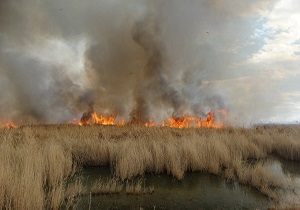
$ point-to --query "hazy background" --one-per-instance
(148, 59)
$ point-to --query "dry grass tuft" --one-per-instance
(138, 187)
(33, 173)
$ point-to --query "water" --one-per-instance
(289, 173)
(196, 191)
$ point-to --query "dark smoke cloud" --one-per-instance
(142, 60)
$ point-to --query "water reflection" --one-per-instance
(195, 191)
(289, 173)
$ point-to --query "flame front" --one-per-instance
(192, 122)
(94, 119)
(172, 122)
(187, 121)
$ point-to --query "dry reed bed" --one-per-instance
(36, 161)
(33, 175)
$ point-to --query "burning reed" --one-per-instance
(37, 161)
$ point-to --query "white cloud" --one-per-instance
(275, 62)
(289, 109)
(281, 34)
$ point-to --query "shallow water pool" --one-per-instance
(195, 191)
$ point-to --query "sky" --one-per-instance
(146, 60)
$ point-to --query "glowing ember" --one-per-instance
(8, 124)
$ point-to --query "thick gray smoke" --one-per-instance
(140, 59)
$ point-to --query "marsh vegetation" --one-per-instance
(37, 162)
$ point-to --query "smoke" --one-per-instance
(141, 60)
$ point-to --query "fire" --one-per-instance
(150, 124)
(121, 123)
(192, 122)
(93, 119)
(208, 122)
(8, 124)
(179, 122)
(101, 120)
(186, 121)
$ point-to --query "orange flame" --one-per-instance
(8, 124)
(172, 122)
(101, 120)
(150, 124)
(94, 119)
(121, 123)
(192, 122)
(186, 121)
(208, 122)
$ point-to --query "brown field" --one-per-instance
(36, 162)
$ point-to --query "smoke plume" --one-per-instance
(140, 60)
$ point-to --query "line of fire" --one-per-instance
(187, 121)
(172, 122)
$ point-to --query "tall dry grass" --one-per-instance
(36, 161)
(108, 186)
(33, 173)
